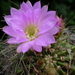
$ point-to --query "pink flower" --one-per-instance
(60, 21)
(61, 24)
(31, 26)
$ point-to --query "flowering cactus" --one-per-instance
(34, 27)
(31, 26)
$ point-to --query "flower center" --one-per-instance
(31, 32)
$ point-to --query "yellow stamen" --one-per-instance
(31, 32)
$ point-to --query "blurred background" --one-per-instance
(66, 8)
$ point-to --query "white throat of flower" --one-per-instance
(31, 32)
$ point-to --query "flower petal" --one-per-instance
(37, 48)
(45, 39)
(37, 5)
(36, 15)
(18, 16)
(41, 40)
(29, 15)
(54, 30)
(24, 7)
(8, 19)
(19, 23)
(19, 48)
(13, 10)
(8, 30)
(48, 15)
(25, 47)
(47, 25)
(14, 32)
(16, 40)
(20, 33)
(44, 9)
(51, 40)
(29, 4)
